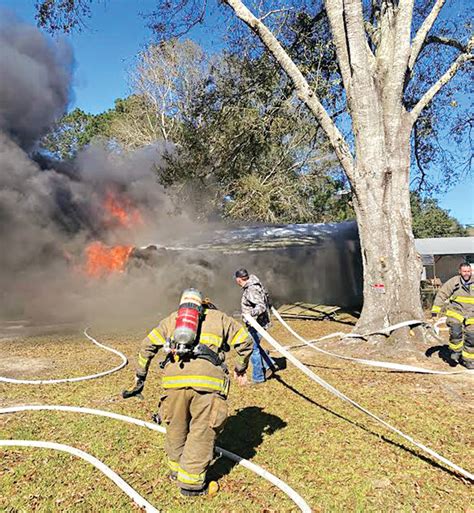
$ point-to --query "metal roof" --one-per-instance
(445, 246)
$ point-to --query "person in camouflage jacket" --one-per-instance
(256, 303)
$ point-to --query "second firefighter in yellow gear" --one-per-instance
(456, 297)
(194, 407)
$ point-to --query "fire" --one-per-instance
(120, 210)
(102, 260)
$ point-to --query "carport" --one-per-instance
(441, 257)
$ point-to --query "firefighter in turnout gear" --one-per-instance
(457, 295)
(196, 384)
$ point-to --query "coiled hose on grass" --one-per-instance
(373, 363)
(72, 380)
(134, 495)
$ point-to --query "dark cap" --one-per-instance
(241, 273)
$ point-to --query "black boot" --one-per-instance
(193, 493)
(209, 489)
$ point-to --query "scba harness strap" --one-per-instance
(197, 351)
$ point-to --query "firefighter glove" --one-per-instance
(139, 386)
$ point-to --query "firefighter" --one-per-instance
(458, 293)
(196, 384)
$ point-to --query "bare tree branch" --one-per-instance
(416, 143)
(443, 80)
(420, 37)
(335, 12)
(360, 54)
(447, 42)
(302, 88)
(398, 34)
(275, 11)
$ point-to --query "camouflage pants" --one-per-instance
(193, 420)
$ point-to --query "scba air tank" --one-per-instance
(187, 320)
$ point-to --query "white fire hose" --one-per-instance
(135, 496)
(71, 380)
(292, 494)
(373, 363)
(342, 396)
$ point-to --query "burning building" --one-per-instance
(65, 224)
(317, 263)
(75, 235)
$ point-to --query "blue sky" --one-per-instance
(105, 51)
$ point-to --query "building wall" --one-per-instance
(446, 266)
(325, 270)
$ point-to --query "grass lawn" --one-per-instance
(337, 458)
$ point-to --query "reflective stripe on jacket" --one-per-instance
(457, 297)
(219, 332)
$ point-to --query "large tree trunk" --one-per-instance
(374, 73)
(392, 267)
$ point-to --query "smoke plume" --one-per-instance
(50, 211)
(55, 214)
(36, 79)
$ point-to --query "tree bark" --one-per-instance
(391, 265)
(379, 169)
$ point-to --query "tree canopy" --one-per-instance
(430, 220)
(239, 136)
(395, 61)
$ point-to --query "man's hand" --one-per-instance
(241, 378)
(139, 385)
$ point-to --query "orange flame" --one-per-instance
(102, 260)
(120, 210)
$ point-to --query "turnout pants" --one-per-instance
(193, 420)
(461, 336)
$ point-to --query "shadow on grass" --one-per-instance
(242, 434)
(426, 459)
(413, 452)
(328, 410)
(280, 362)
(444, 353)
(321, 366)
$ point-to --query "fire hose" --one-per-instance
(342, 396)
(135, 496)
(71, 380)
(373, 363)
(292, 494)
(123, 485)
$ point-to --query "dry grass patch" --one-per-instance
(334, 456)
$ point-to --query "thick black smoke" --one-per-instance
(35, 83)
(50, 212)
(34, 90)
